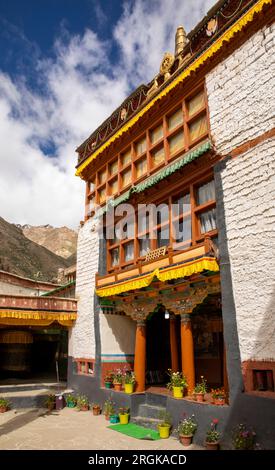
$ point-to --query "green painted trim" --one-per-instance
(51, 292)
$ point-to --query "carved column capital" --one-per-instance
(138, 311)
(185, 318)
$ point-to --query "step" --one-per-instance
(156, 399)
(150, 423)
(151, 411)
(10, 388)
(30, 398)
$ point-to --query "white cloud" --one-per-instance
(79, 89)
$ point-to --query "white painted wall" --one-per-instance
(241, 101)
(117, 334)
(241, 92)
(82, 337)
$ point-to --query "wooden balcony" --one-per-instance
(46, 304)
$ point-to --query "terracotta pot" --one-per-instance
(219, 401)
(186, 440)
(200, 397)
(107, 417)
(212, 445)
(117, 387)
(84, 408)
(96, 410)
(3, 409)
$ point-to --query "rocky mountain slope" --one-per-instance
(61, 240)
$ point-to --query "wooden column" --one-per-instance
(174, 344)
(187, 351)
(140, 356)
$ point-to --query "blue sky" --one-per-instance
(64, 66)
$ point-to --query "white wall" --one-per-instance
(117, 334)
(7, 288)
(241, 101)
(82, 337)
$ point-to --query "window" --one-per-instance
(140, 147)
(126, 158)
(113, 185)
(126, 178)
(206, 193)
(198, 128)
(263, 380)
(128, 251)
(158, 156)
(144, 245)
(175, 119)
(102, 195)
(113, 168)
(115, 257)
(176, 143)
(195, 104)
(205, 207)
(85, 366)
(102, 177)
(141, 167)
(156, 134)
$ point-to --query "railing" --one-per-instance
(22, 302)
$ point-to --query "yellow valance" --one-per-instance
(30, 318)
(174, 272)
(226, 37)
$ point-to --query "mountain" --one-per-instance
(21, 256)
(61, 241)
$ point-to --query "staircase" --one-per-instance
(30, 395)
(149, 413)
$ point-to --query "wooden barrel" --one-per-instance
(15, 351)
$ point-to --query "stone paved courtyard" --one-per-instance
(69, 429)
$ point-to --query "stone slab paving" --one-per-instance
(70, 429)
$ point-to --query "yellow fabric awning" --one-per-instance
(173, 272)
(32, 318)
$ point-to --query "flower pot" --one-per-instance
(51, 406)
(200, 397)
(164, 430)
(129, 388)
(177, 392)
(117, 387)
(96, 410)
(70, 404)
(114, 419)
(84, 408)
(107, 417)
(185, 439)
(108, 384)
(219, 401)
(124, 418)
(3, 409)
(212, 445)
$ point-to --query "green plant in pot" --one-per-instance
(50, 401)
(82, 403)
(5, 405)
(108, 408)
(177, 383)
(108, 379)
(165, 425)
(96, 408)
(123, 414)
(186, 430)
(117, 379)
(200, 389)
(212, 439)
(129, 381)
(71, 400)
(243, 438)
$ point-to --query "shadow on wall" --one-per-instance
(123, 330)
(254, 411)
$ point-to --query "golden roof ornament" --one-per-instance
(212, 27)
(166, 64)
(180, 40)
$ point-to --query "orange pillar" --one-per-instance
(140, 356)
(187, 351)
(174, 344)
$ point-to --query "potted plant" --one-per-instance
(108, 408)
(96, 409)
(177, 383)
(218, 396)
(213, 436)
(4, 405)
(243, 438)
(165, 426)
(129, 381)
(200, 389)
(108, 379)
(123, 415)
(70, 400)
(50, 401)
(82, 403)
(117, 380)
(186, 430)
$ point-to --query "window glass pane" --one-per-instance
(92, 185)
(144, 246)
(102, 195)
(143, 222)
(182, 230)
(181, 205)
(129, 251)
(158, 156)
(163, 237)
(176, 142)
(140, 146)
(90, 368)
(206, 193)
(141, 167)
(126, 178)
(208, 221)
(127, 229)
(156, 134)
(113, 186)
(115, 257)
(83, 368)
(113, 167)
(162, 213)
(195, 104)
(91, 204)
(102, 177)
(197, 128)
(126, 158)
(175, 119)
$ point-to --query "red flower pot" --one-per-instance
(96, 411)
(200, 397)
(84, 408)
(117, 387)
(186, 440)
(219, 401)
(212, 445)
(3, 409)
